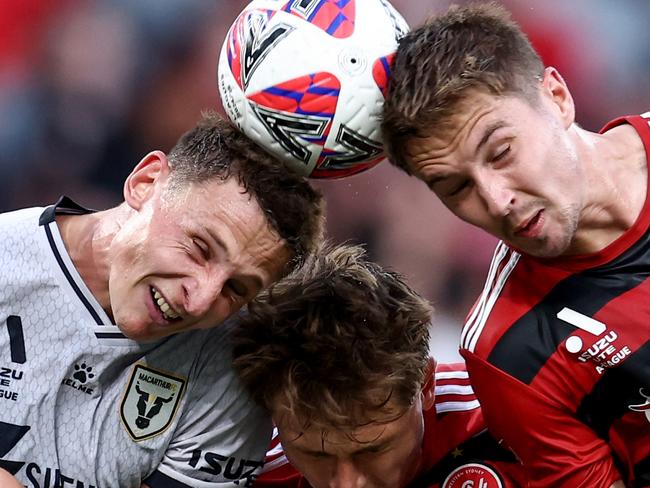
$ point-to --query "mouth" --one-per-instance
(531, 227)
(163, 306)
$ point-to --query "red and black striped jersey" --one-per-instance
(558, 354)
(457, 451)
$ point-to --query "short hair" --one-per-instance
(215, 148)
(467, 49)
(335, 342)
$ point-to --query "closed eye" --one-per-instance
(237, 287)
(502, 154)
(202, 247)
(458, 189)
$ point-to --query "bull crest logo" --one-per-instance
(642, 407)
(150, 402)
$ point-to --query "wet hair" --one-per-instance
(336, 342)
(470, 49)
(215, 148)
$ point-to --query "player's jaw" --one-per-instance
(540, 230)
(154, 309)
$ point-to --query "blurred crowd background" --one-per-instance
(87, 87)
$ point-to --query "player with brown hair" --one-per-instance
(114, 330)
(557, 343)
(338, 352)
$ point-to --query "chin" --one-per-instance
(135, 332)
(549, 251)
(540, 248)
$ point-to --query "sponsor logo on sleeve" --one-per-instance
(150, 402)
(473, 475)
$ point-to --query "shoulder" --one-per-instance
(206, 356)
(20, 223)
(453, 391)
(277, 470)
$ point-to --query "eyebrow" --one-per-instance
(366, 448)
(491, 129)
(376, 446)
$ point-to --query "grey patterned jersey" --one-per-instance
(83, 406)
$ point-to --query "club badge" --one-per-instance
(150, 402)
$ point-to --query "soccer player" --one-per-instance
(557, 344)
(338, 352)
(111, 373)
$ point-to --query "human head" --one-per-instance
(338, 352)
(206, 228)
(441, 65)
(472, 112)
(215, 149)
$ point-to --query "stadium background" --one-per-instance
(87, 87)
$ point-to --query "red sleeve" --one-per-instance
(277, 471)
(556, 449)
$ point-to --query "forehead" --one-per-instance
(471, 114)
(317, 437)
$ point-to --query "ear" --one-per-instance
(557, 92)
(429, 386)
(148, 175)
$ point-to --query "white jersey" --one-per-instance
(82, 406)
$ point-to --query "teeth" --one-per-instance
(167, 311)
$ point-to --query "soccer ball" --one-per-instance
(306, 80)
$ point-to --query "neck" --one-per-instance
(88, 239)
(615, 172)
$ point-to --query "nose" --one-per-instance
(347, 475)
(203, 292)
(497, 196)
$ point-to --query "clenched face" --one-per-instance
(189, 258)
(510, 169)
(385, 453)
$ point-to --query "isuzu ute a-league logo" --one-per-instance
(150, 402)
(473, 475)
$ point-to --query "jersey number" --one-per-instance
(16, 339)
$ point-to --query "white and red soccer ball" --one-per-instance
(306, 80)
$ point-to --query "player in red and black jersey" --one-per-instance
(339, 354)
(557, 344)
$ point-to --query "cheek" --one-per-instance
(473, 211)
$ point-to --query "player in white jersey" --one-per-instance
(98, 386)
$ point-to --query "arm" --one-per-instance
(555, 448)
